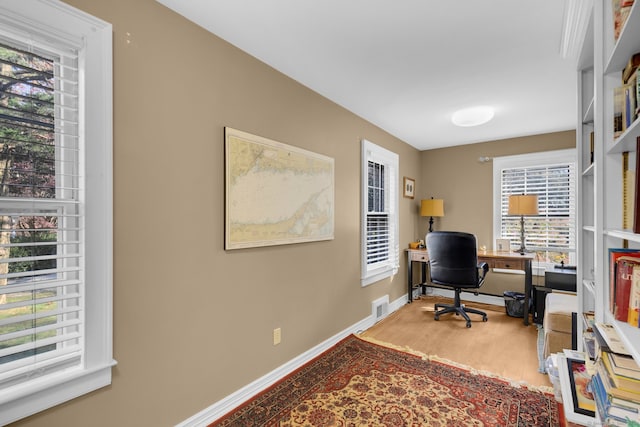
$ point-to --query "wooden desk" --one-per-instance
(504, 260)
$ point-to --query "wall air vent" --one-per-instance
(380, 308)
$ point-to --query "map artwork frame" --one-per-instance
(275, 193)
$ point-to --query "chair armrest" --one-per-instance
(485, 269)
(484, 266)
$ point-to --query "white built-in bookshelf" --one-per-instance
(600, 191)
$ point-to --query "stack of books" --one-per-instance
(616, 382)
(626, 97)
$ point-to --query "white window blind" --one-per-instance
(40, 252)
(378, 227)
(55, 205)
(551, 176)
(380, 219)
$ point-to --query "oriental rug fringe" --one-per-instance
(359, 382)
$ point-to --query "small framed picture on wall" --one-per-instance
(409, 185)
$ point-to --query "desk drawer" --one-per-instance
(506, 264)
(419, 256)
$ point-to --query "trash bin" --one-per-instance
(514, 303)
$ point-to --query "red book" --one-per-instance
(614, 254)
(624, 279)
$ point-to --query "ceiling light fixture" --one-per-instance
(473, 116)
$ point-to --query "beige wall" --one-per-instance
(194, 323)
(466, 185)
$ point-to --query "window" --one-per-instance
(550, 175)
(380, 253)
(55, 206)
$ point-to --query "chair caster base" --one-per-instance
(458, 310)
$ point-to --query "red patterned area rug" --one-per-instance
(362, 383)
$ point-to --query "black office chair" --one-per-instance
(453, 262)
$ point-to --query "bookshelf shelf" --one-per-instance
(627, 140)
(623, 235)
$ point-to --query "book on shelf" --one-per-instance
(631, 67)
(621, 10)
(634, 81)
(614, 254)
(612, 410)
(621, 396)
(618, 111)
(624, 107)
(591, 147)
(624, 278)
(618, 397)
(633, 310)
(615, 381)
(624, 365)
(621, 382)
(629, 104)
(628, 193)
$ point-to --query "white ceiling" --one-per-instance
(407, 65)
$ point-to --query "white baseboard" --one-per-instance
(220, 408)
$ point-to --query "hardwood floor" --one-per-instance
(502, 345)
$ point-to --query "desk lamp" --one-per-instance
(523, 204)
(431, 207)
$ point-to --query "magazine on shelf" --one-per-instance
(611, 337)
(624, 365)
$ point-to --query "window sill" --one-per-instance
(25, 401)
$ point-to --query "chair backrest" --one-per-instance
(453, 259)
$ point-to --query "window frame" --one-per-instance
(381, 270)
(54, 23)
(546, 158)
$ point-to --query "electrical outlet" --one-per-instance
(277, 336)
